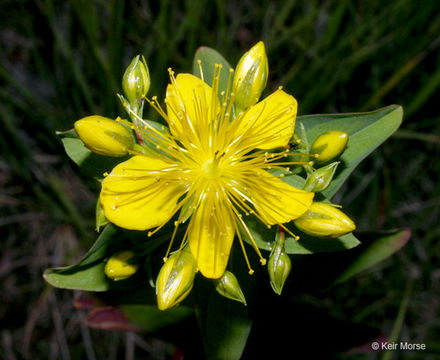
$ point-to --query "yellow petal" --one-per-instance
(268, 124)
(135, 197)
(210, 236)
(276, 201)
(188, 102)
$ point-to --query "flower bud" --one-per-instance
(324, 220)
(279, 265)
(118, 267)
(250, 77)
(175, 279)
(320, 179)
(329, 145)
(228, 287)
(136, 80)
(104, 136)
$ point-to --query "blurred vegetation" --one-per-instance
(62, 60)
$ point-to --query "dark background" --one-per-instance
(62, 60)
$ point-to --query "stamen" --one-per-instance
(296, 237)
(176, 225)
(249, 234)
(199, 63)
(243, 249)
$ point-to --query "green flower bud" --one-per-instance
(118, 267)
(329, 145)
(320, 179)
(136, 80)
(250, 77)
(323, 220)
(175, 279)
(228, 287)
(279, 265)
(104, 136)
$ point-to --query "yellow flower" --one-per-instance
(211, 166)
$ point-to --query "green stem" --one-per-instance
(400, 317)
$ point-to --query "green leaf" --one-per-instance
(225, 326)
(88, 273)
(264, 238)
(366, 132)
(91, 164)
(376, 251)
(77, 277)
(150, 318)
(209, 57)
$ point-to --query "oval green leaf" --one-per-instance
(375, 252)
(208, 58)
(91, 164)
(88, 273)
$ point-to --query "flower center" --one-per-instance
(211, 169)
